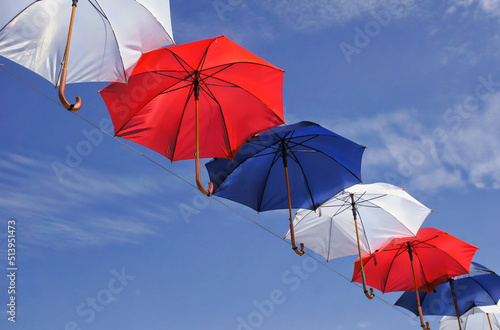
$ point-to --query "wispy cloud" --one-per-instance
(421, 157)
(312, 15)
(491, 6)
(90, 207)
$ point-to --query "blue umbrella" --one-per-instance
(312, 162)
(481, 287)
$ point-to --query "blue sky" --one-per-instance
(118, 242)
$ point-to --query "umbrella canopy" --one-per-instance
(107, 36)
(359, 219)
(418, 263)
(438, 256)
(236, 93)
(475, 319)
(292, 166)
(382, 211)
(480, 287)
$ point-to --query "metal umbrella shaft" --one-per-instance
(365, 289)
(62, 84)
(420, 314)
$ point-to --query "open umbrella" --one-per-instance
(480, 287)
(108, 37)
(198, 100)
(478, 318)
(359, 219)
(292, 166)
(418, 263)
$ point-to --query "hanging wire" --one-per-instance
(194, 186)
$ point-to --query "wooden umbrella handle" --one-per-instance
(62, 89)
(62, 84)
(210, 190)
(370, 295)
(292, 230)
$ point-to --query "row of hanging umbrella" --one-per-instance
(458, 295)
(214, 99)
(477, 318)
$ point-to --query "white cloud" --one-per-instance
(403, 150)
(491, 6)
(313, 15)
(89, 207)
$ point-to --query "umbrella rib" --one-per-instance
(339, 208)
(191, 91)
(388, 211)
(362, 223)
(342, 165)
(128, 120)
(422, 271)
(330, 235)
(268, 108)
(207, 90)
(294, 157)
(400, 250)
(494, 301)
(369, 199)
(101, 11)
(432, 246)
(275, 159)
(181, 62)
(156, 19)
(241, 162)
(20, 13)
(184, 65)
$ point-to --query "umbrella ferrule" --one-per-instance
(410, 252)
(283, 153)
(353, 204)
(75, 2)
(196, 85)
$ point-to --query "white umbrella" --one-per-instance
(478, 318)
(360, 219)
(107, 37)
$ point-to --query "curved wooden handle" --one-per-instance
(62, 85)
(62, 89)
(370, 295)
(210, 190)
(296, 249)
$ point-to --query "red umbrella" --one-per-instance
(416, 263)
(198, 100)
